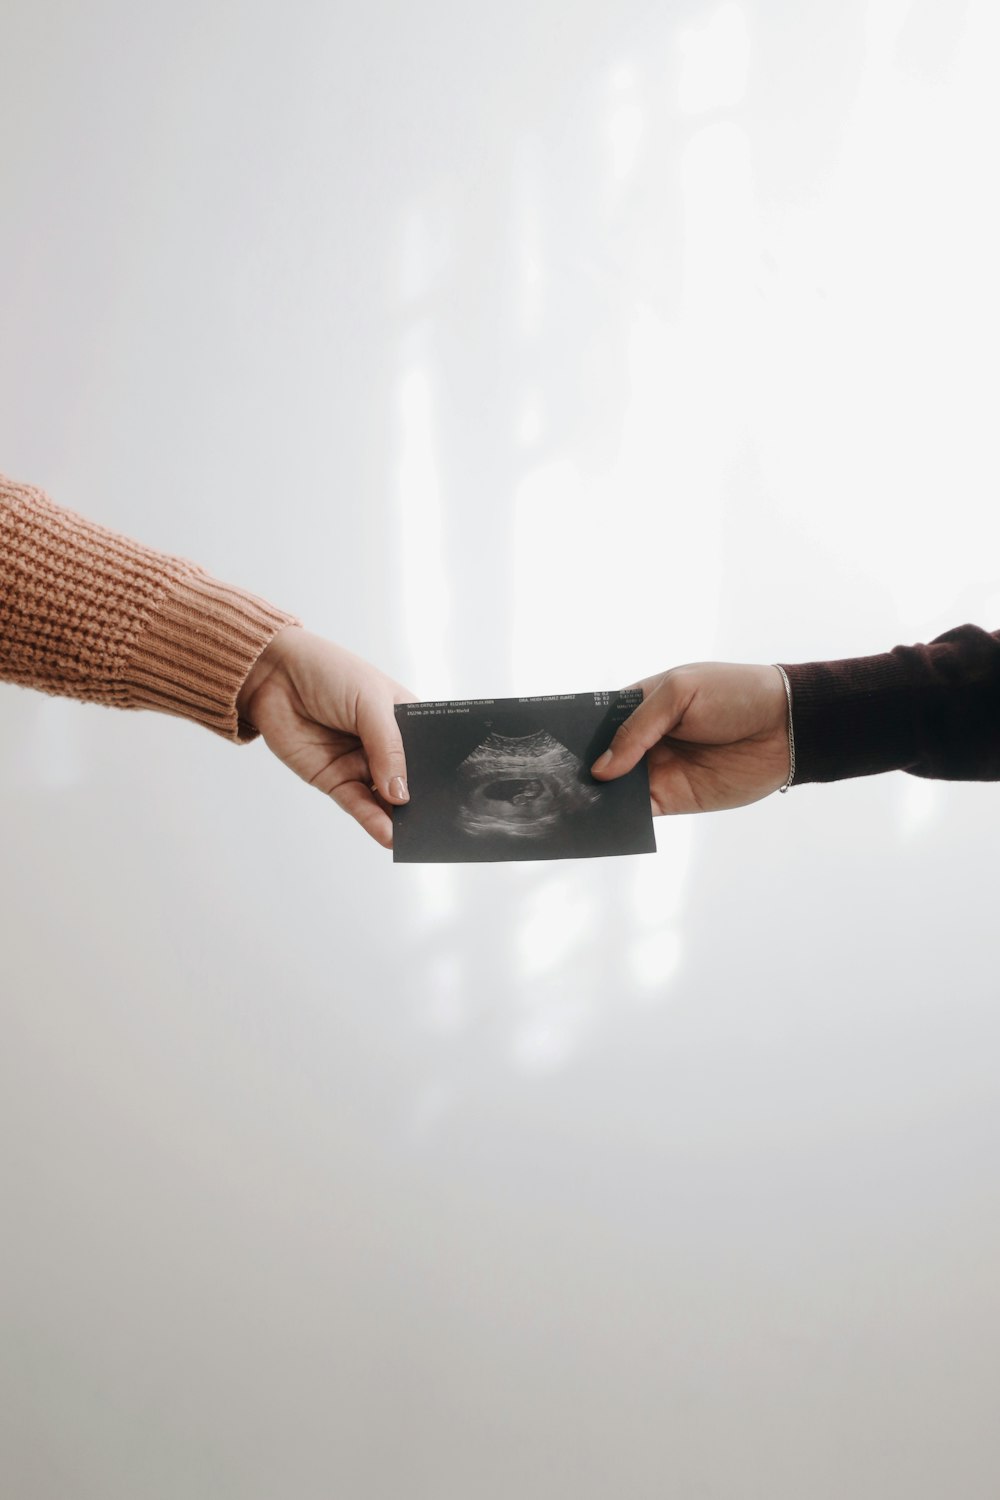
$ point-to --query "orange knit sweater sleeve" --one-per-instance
(86, 613)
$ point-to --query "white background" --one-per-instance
(524, 348)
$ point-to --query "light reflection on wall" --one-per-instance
(531, 423)
(715, 61)
(424, 586)
(682, 416)
(548, 1038)
(656, 899)
(893, 308)
(831, 286)
(919, 803)
(623, 127)
(438, 887)
(426, 239)
(529, 286)
(557, 916)
(425, 591)
(446, 1008)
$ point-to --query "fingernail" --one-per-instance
(602, 761)
(397, 789)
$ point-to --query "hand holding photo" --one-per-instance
(509, 778)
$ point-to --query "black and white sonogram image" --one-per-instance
(509, 778)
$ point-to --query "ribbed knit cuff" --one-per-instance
(195, 650)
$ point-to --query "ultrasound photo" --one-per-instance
(509, 778)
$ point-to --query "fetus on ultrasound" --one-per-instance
(509, 779)
(521, 786)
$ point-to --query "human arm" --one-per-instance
(717, 734)
(90, 614)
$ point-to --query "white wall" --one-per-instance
(526, 348)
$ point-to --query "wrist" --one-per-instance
(268, 662)
(786, 703)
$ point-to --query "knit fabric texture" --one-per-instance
(86, 613)
(930, 710)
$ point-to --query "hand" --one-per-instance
(329, 716)
(716, 736)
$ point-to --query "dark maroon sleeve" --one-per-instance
(931, 710)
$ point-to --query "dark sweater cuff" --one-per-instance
(931, 710)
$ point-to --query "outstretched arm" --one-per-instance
(87, 613)
(719, 735)
(715, 734)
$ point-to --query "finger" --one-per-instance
(384, 747)
(655, 717)
(364, 808)
(327, 771)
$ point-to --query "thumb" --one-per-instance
(655, 717)
(383, 745)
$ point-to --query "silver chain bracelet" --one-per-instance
(791, 730)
